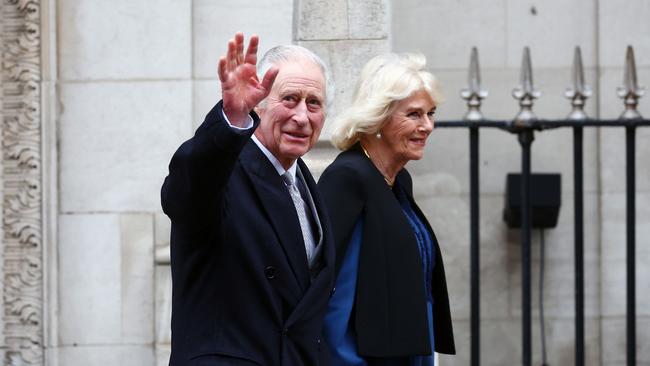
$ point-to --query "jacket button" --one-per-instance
(317, 340)
(284, 332)
(270, 272)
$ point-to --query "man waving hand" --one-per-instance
(251, 248)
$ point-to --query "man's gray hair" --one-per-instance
(280, 54)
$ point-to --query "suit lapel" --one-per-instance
(279, 209)
(314, 201)
(324, 281)
(311, 206)
(327, 239)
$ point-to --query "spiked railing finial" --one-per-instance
(630, 92)
(525, 92)
(473, 93)
(579, 91)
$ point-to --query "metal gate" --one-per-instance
(524, 126)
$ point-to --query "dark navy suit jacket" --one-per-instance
(242, 290)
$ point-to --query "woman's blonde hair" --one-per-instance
(384, 81)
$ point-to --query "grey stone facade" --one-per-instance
(97, 95)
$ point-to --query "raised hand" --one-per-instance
(241, 90)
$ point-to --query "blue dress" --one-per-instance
(338, 328)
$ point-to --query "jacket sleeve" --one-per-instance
(343, 194)
(200, 168)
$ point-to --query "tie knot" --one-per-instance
(287, 178)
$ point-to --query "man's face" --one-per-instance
(294, 113)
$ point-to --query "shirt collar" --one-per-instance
(276, 164)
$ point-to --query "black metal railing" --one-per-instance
(525, 124)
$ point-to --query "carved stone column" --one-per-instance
(22, 250)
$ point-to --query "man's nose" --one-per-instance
(300, 113)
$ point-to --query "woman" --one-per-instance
(390, 306)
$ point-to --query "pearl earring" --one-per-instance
(378, 135)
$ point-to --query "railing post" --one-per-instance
(578, 94)
(473, 94)
(630, 93)
(630, 134)
(525, 140)
(525, 93)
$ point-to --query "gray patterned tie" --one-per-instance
(300, 205)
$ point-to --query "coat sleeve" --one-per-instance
(343, 194)
(200, 168)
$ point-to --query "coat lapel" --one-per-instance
(321, 216)
(279, 208)
(320, 288)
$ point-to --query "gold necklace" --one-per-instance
(388, 181)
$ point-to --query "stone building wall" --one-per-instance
(110, 89)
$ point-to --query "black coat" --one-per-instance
(242, 292)
(390, 314)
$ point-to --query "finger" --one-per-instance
(222, 69)
(239, 42)
(269, 78)
(232, 58)
(251, 51)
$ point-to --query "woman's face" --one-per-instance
(405, 133)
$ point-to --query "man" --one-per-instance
(251, 252)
